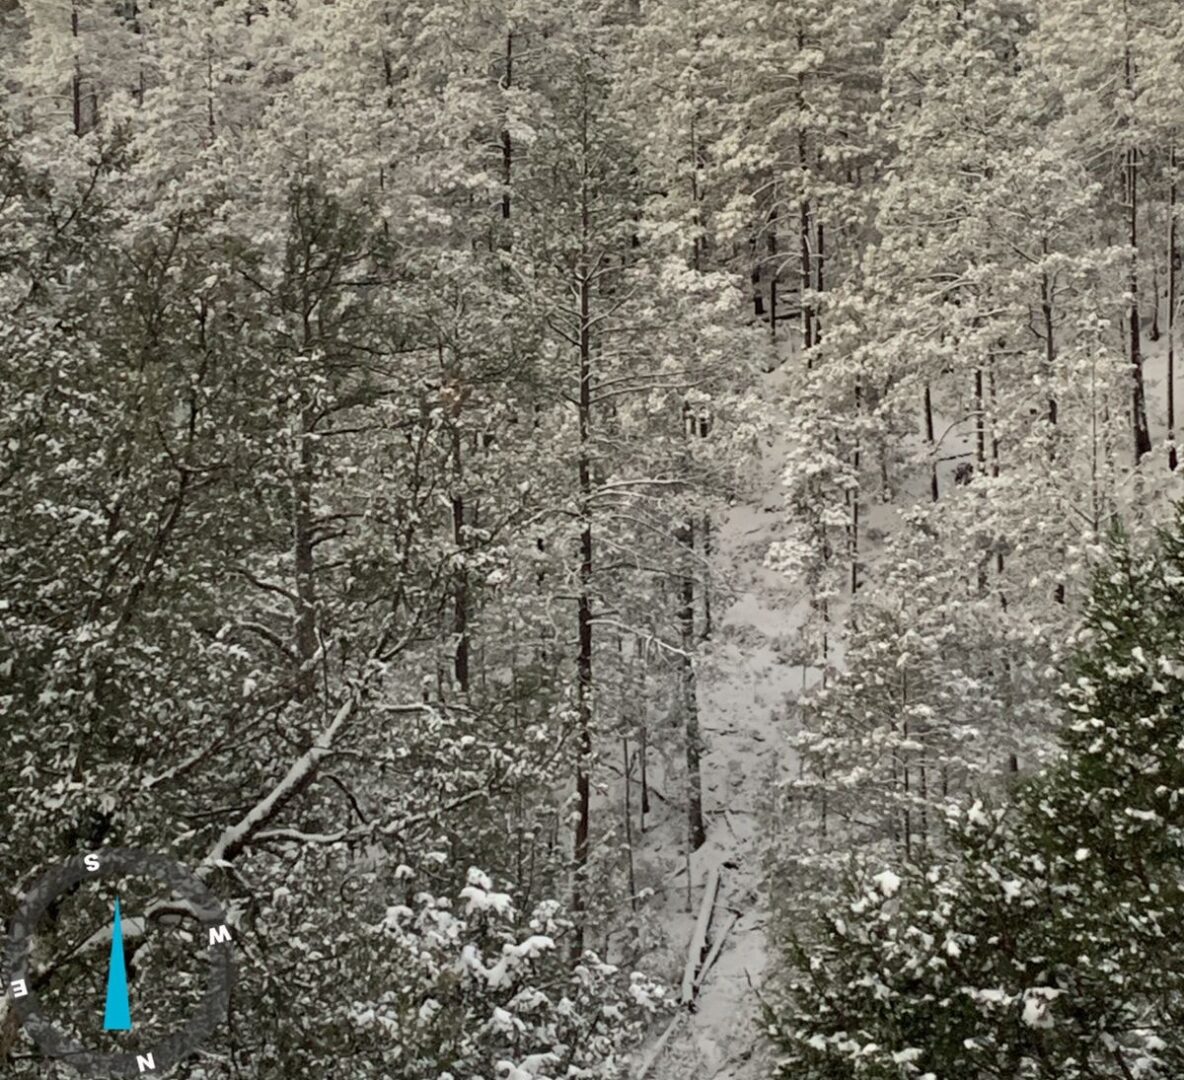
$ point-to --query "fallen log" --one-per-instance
(698, 943)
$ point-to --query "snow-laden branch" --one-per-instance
(364, 832)
(235, 837)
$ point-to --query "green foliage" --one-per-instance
(1050, 942)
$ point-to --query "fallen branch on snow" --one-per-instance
(698, 945)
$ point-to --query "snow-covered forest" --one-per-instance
(628, 539)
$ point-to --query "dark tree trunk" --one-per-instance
(1171, 312)
(1138, 400)
(1142, 435)
(772, 245)
(980, 430)
(460, 588)
(584, 603)
(507, 146)
(696, 832)
(931, 437)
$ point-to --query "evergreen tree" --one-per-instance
(1049, 942)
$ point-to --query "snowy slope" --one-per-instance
(745, 679)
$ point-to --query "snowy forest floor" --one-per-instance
(748, 679)
(745, 680)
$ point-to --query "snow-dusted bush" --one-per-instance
(471, 990)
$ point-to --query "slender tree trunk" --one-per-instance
(76, 80)
(584, 603)
(995, 455)
(1142, 435)
(980, 430)
(854, 495)
(627, 764)
(696, 832)
(303, 561)
(707, 553)
(1050, 360)
(805, 275)
(643, 741)
(758, 296)
(1171, 312)
(772, 246)
(1050, 349)
(460, 588)
(507, 145)
(820, 260)
(932, 439)
(1138, 400)
(804, 241)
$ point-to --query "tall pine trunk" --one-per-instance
(1171, 312)
(1142, 435)
(696, 832)
(584, 602)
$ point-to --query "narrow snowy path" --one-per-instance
(745, 678)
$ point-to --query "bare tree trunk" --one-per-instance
(460, 588)
(819, 260)
(643, 750)
(1050, 347)
(804, 240)
(584, 610)
(707, 552)
(628, 769)
(772, 245)
(303, 564)
(805, 276)
(1138, 400)
(1050, 359)
(507, 145)
(696, 832)
(1142, 435)
(1171, 312)
(995, 455)
(980, 430)
(76, 81)
(932, 440)
(758, 296)
(854, 497)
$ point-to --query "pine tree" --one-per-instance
(1049, 941)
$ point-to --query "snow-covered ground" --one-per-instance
(745, 679)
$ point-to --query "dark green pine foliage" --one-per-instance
(1049, 941)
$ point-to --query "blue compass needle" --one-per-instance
(118, 1016)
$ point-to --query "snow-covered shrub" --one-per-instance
(468, 989)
